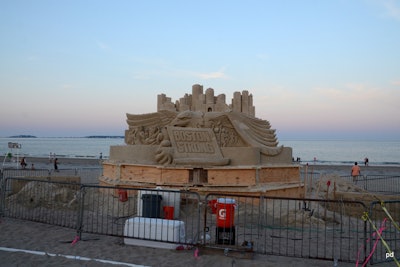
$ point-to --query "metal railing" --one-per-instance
(124, 212)
(385, 216)
(87, 175)
(385, 184)
(305, 228)
(40, 201)
(109, 210)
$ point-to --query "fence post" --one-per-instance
(199, 204)
(365, 177)
(365, 240)
(205, 227)
(370, 214)
(2, 194)
(79, 222)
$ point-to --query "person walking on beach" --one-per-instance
(366, 161)
(23, 163)
(355, 172)
(56, 164)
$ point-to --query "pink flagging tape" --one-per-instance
(196, 253)
(76, 239)
(380, 230)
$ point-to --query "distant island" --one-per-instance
(22, 136)
(90, 136)
(104, 136)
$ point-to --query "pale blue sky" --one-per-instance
(316, 69)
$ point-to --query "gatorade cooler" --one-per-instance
(168, 212)
(225, 212)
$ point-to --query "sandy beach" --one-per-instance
(65, 163)
(36, 244)
(345, 169)
(45, 163)
(25, 243)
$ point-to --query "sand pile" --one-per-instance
(310, 218)
(334, 183)
(38, 194)
(333, 187)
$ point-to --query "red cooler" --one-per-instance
(168, 212)
(122, 195)
(213, 206)
(225, 212)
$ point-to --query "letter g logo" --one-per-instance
(222, 214)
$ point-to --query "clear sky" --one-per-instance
(316, 69)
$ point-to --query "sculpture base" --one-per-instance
(269, 180)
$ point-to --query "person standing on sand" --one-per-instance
(23, 163)
(56, 164)
(355, 172)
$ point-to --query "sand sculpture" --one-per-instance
(200, 141)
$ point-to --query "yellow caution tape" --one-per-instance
(390, 216)
(366, 217)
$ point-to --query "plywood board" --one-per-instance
(229, 177)
(279, 174)
(142, 174)
(174, 176)
(110, 170)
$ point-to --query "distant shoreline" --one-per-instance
(89, 136)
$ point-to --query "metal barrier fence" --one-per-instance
(386, 184)
(87, 175)
(24, 173)
(158, 215)
(306, 228)
(385, 216)
(141, 213)
(309, 175)
(40, 201)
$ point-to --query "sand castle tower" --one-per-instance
(201, 143)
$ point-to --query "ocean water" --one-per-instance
(343, 152)
(62, 147)
(329, 152)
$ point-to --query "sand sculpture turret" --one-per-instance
(201, 143)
